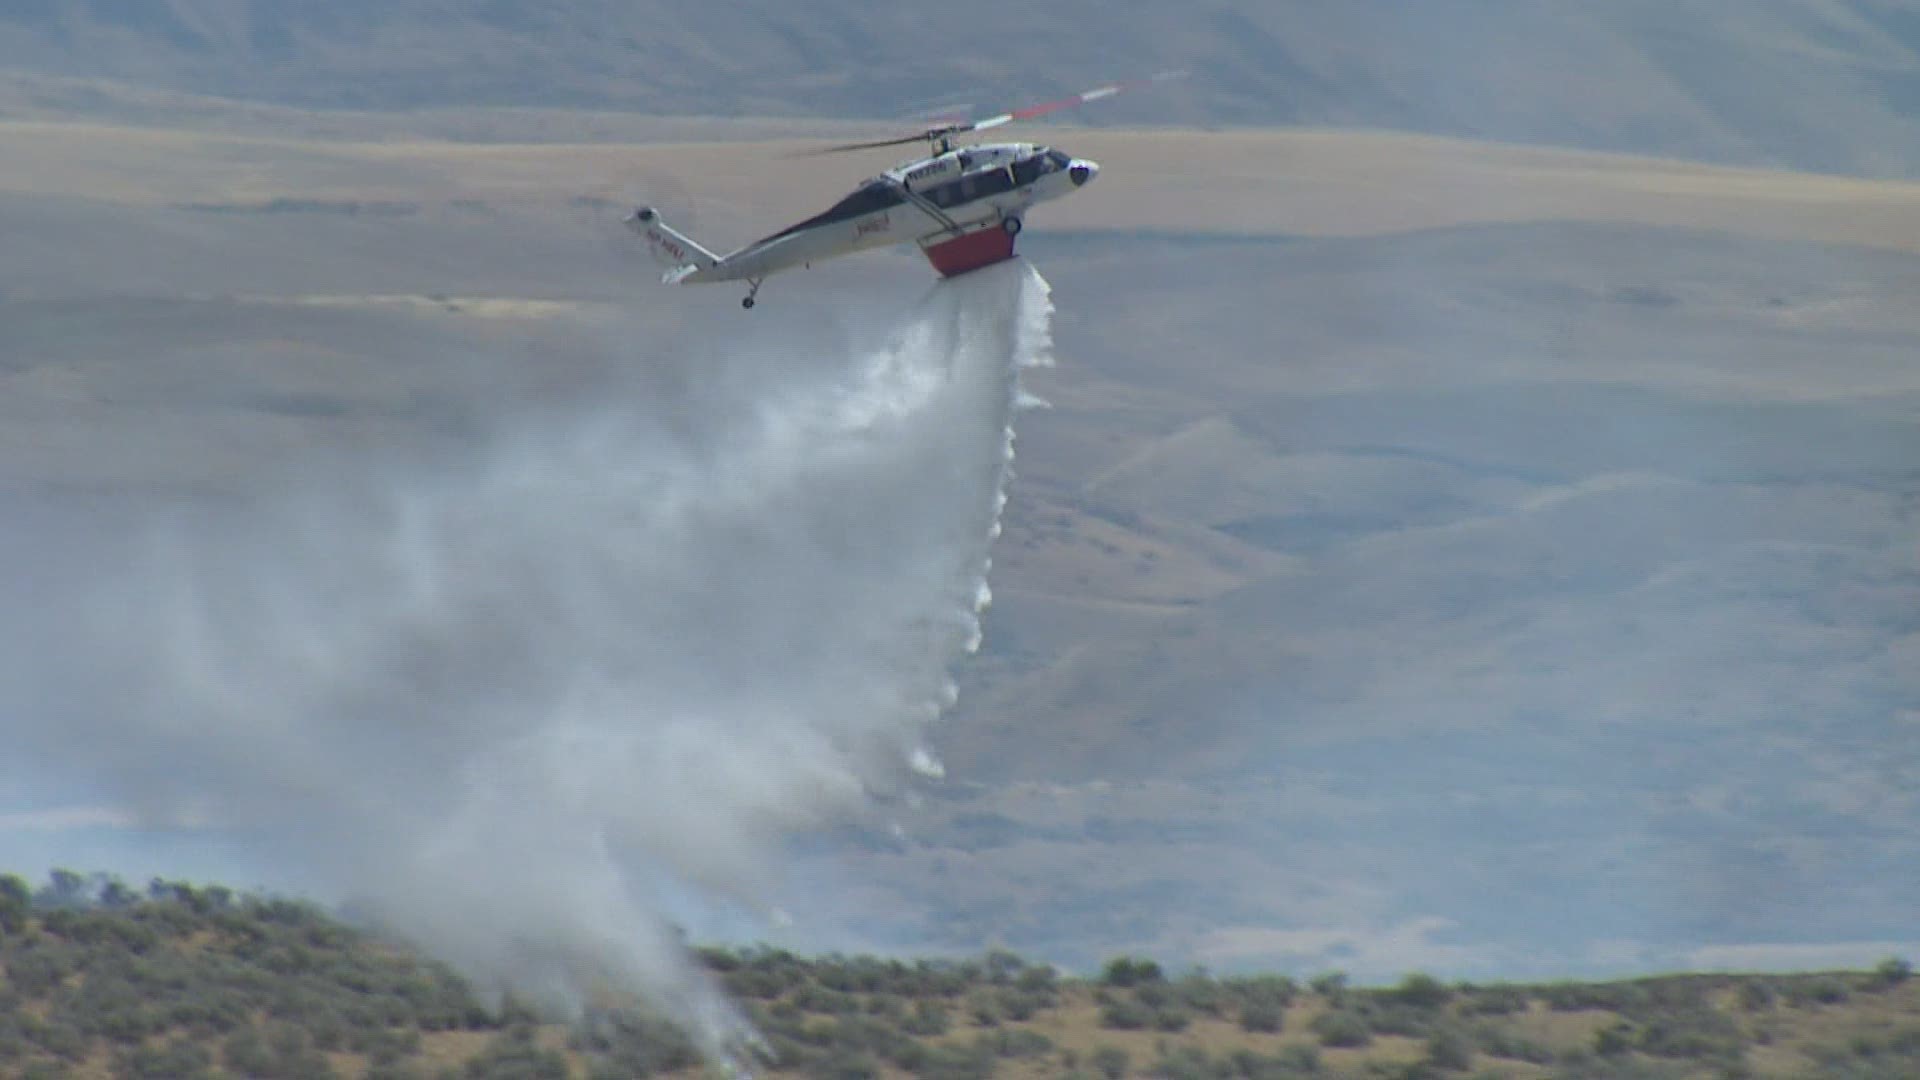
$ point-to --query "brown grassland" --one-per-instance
(1240, 182)
(181, 981)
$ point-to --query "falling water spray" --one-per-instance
(510, 707)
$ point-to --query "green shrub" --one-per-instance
(1331, 985)
(1154, 995)
(294, 1055)
(634, 1044)
(1299, 1059)
(1756, 995)
(717, 958)
(1125, 971)
(14, 1043)
(929, 1019)
(1892, 972)
(1449, 1049)
(383, 1044)
(1277, 991)
(956, 1063)
(16, 903)
(1016, 1043)
(513, 1055)
(1592, 1068)
(752, 983)
(934, 978)
(180, 1059)
(1002, 967)
(1019, 1006)
(36, 969)
(1824, 990)
(843, 1065)
(1171, 1019)
(1342, 1028)
(1111, 1061)
(818, 999)
(1396, 1019)
(1262, 1018)
(1692, 1033)
(1185, 1063)
(907, 1054)
(61, 1039)
(1498, 1000)
(1615, 1040)
(1201, 994)
(1421, 991)
(1037, 980)
(1496, 1042)
(246, 1053)
(1624, 998)
(1125, 1014)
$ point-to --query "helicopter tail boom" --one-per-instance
(676, 251)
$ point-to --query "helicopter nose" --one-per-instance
(1082, 171)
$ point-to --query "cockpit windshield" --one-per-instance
(1042, 162)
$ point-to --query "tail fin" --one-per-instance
(673, 249)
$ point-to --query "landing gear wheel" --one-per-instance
(747, 302)
(1012, 225)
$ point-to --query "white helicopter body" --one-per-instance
(963, 206)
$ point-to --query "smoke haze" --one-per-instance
(526, 704)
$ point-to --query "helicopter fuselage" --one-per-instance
(943, 203)
(963, 205)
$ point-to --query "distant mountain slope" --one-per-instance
(1830, 85)
(1506, 582)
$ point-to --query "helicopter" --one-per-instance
(963, 205)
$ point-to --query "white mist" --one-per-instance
(516, 705)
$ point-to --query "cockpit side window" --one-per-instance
(1033, 168)
(992, 182)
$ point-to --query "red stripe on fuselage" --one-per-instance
(982, 247)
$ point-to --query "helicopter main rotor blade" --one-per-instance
(1083, 98)
(919, 136)
(1028, 113)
